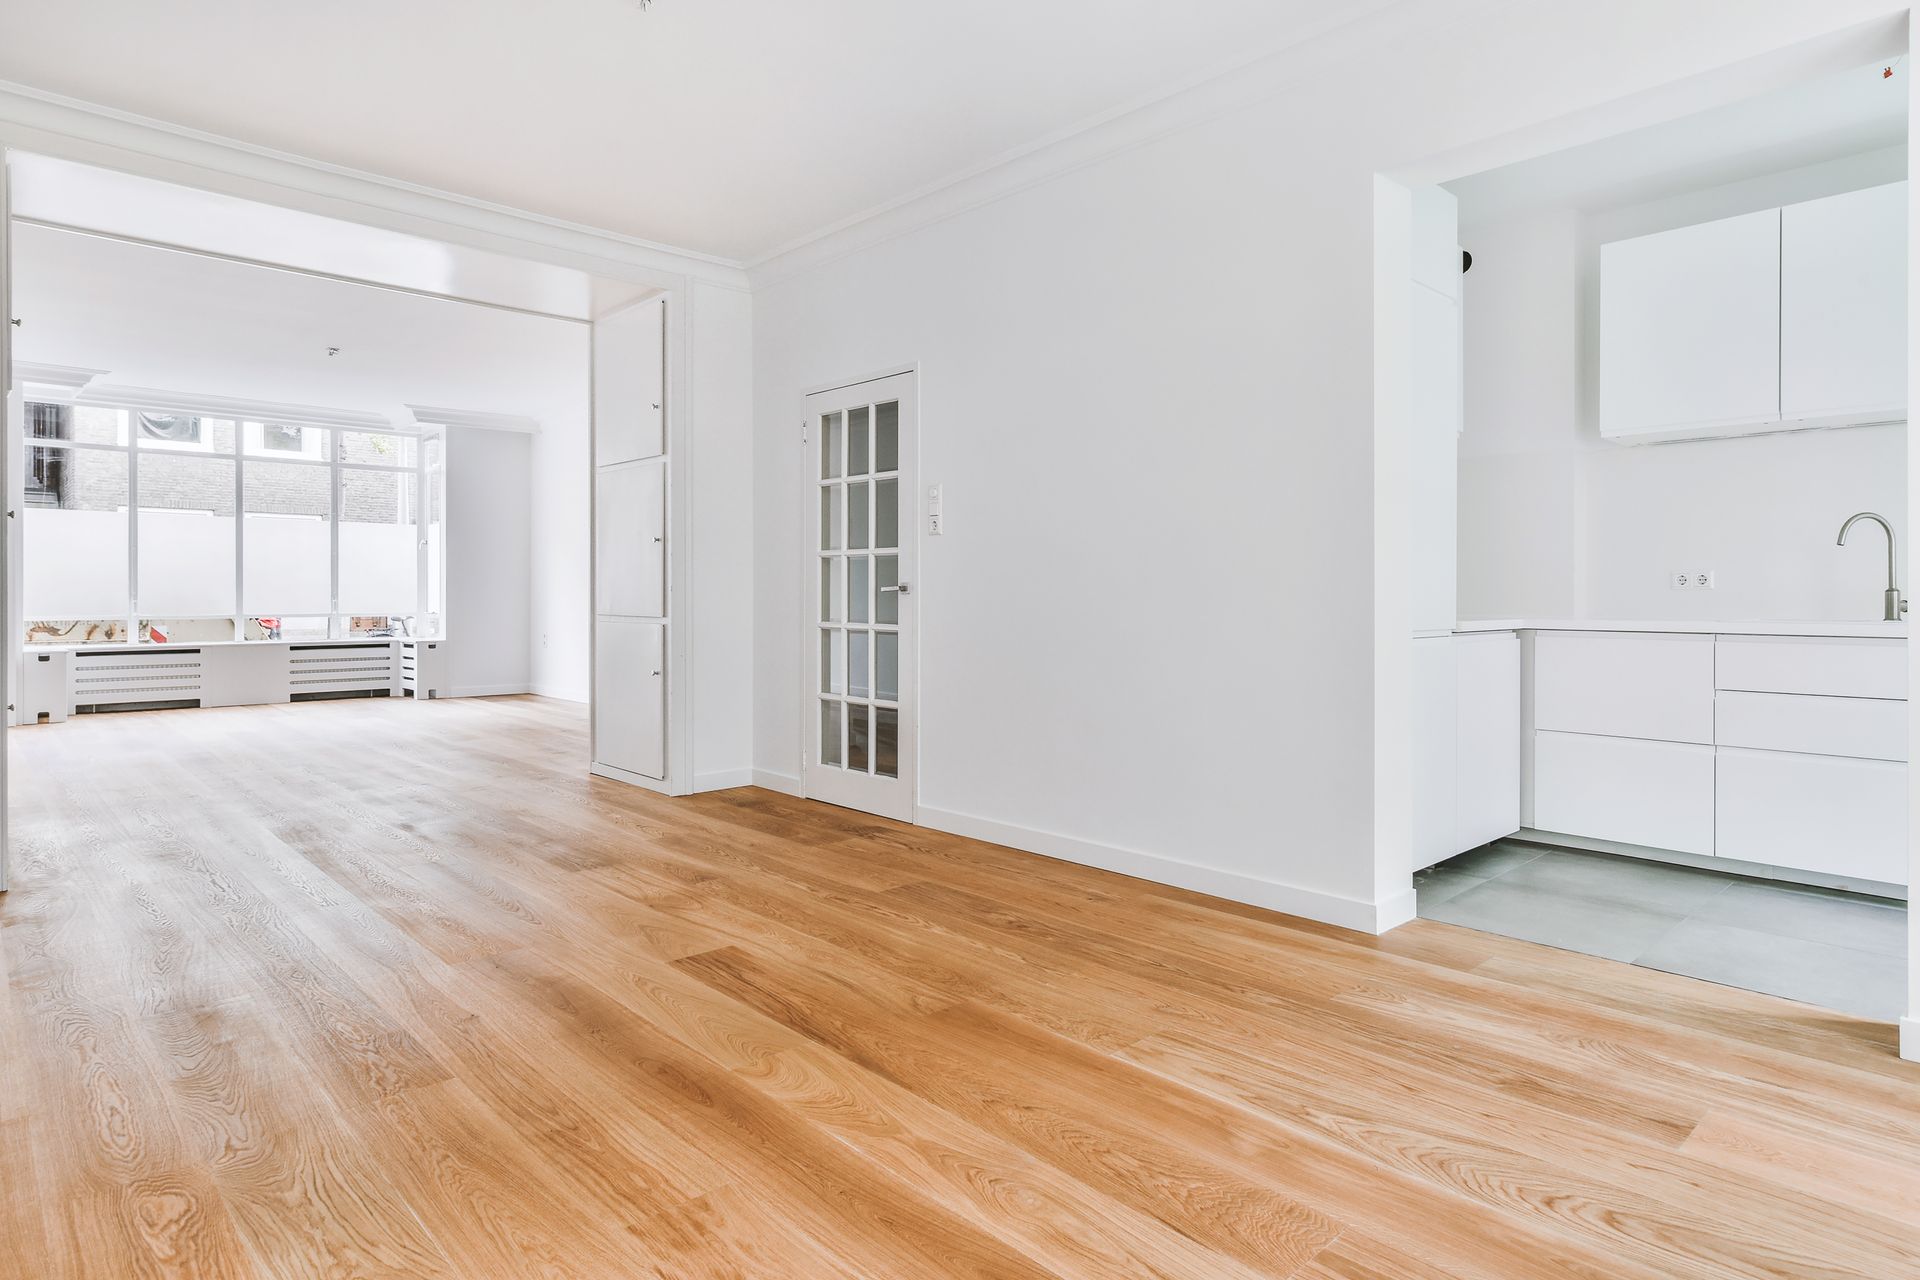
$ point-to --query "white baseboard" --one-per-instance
(489, 690)
(632, 779)
(722, 779)
(1910, 1039)
(785, 783)
(1274, 895)
(557, 693)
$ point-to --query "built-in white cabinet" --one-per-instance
(1785, 318)
(630, 520)
(1690, 328)
(1434, 410)
(1628, 790)
(1843, 307)
(1466, 743)
(631, 591)
(1786, 751)
(1833, 815)
(630, 702)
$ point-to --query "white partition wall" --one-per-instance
(632, 589)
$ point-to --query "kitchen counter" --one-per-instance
(1878, 630)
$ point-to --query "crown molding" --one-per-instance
(429, 416)
(110, 396)
(90, 133)
(55, 383)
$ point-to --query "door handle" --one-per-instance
(905, 588)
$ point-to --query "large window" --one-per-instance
(171, 528)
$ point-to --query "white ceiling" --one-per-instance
(1824, 119)
(729, 127)
(172, 321)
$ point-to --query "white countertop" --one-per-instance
(1881, 630)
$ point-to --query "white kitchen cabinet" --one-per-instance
(629, 672)
(1690, 329)
(1628, 790)
(1837, 666)
(1863, 728)
(1843, 307)
(630, 556)
(629, 381)
(1839, 817)
(1466, 743)
(1625, 684)
(1434, 460)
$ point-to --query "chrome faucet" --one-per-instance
(1896, 603)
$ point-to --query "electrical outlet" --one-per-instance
(1690, 580)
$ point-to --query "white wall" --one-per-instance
(489, 561)
(1555, 522)
(1148, 638)
(560, 613)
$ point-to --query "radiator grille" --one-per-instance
(136, 679)
(340, 671)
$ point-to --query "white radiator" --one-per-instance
(136, 679)
(316, 671)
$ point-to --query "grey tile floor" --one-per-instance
(1837, 950)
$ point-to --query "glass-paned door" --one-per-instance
(858, 706)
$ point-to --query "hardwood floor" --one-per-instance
(376, 989)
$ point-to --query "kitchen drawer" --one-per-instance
(1658, 794)
(1624, 684)
(1814, 813)
(1864, 728)
(1845, 667)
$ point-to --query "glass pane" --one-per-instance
(183, 433)
(288, 511)
(77, 631)
(857, 663)
(886, 665)
(886, 436)
(886, 604)
(857, 441)
(831, 499)
(857, 588)
(886, 514)
(379, 543)
(826, 661)
(49, 422)
(829, 446)
(837, 663)
(857, 736)
(91, 425)
(830, 733)
(312, 628)
(377, 448)
(886, 742)
(378, 625)
(185, 630)
(74, 537)
(186, 535)
(274, 440)
(857, 514)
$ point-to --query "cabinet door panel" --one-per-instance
(628, 379)
(1487, 738)
(1658, 794)
(629, 705)
(1838, 666)
(1814, 813)
(1863, 728)
(1843, 306)
(630, 548)
(1690, 327)
(1625, 684)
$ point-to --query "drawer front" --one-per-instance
(1816, 813)
(1624, 684)
(1658, 794)
(1863, 728)
(1840, 667)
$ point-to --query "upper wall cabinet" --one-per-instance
(1690, 330)
(629, 364)
(1843, 308)
(1781, 319)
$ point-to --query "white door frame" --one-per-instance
(806, 479)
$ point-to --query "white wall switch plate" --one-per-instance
(936, 515)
